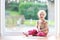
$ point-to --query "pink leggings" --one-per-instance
(35, 33)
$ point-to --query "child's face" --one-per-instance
(42, 15)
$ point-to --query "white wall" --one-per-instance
(54, 15)
(59, 16)
(0, 18)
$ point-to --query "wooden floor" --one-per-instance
(19, 36)
(29, 38)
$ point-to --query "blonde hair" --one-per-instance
(39, 12)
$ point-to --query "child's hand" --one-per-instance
(39, 30)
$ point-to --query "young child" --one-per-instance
(42, 26)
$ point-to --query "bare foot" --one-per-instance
(25, 34)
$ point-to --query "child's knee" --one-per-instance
(32, 32)
(41, 34)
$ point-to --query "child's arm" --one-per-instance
(46, 25)
(37, 24)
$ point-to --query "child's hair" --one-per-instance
(39, 12)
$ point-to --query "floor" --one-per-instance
(14, 34)
(29, 38)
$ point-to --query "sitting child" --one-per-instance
(42, 26)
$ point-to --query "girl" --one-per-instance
(42, 26)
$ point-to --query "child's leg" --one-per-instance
(25, 34)
(41, 34)
(31, 32)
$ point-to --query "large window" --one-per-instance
(21, 14)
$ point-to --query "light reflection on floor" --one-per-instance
(29, 38)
